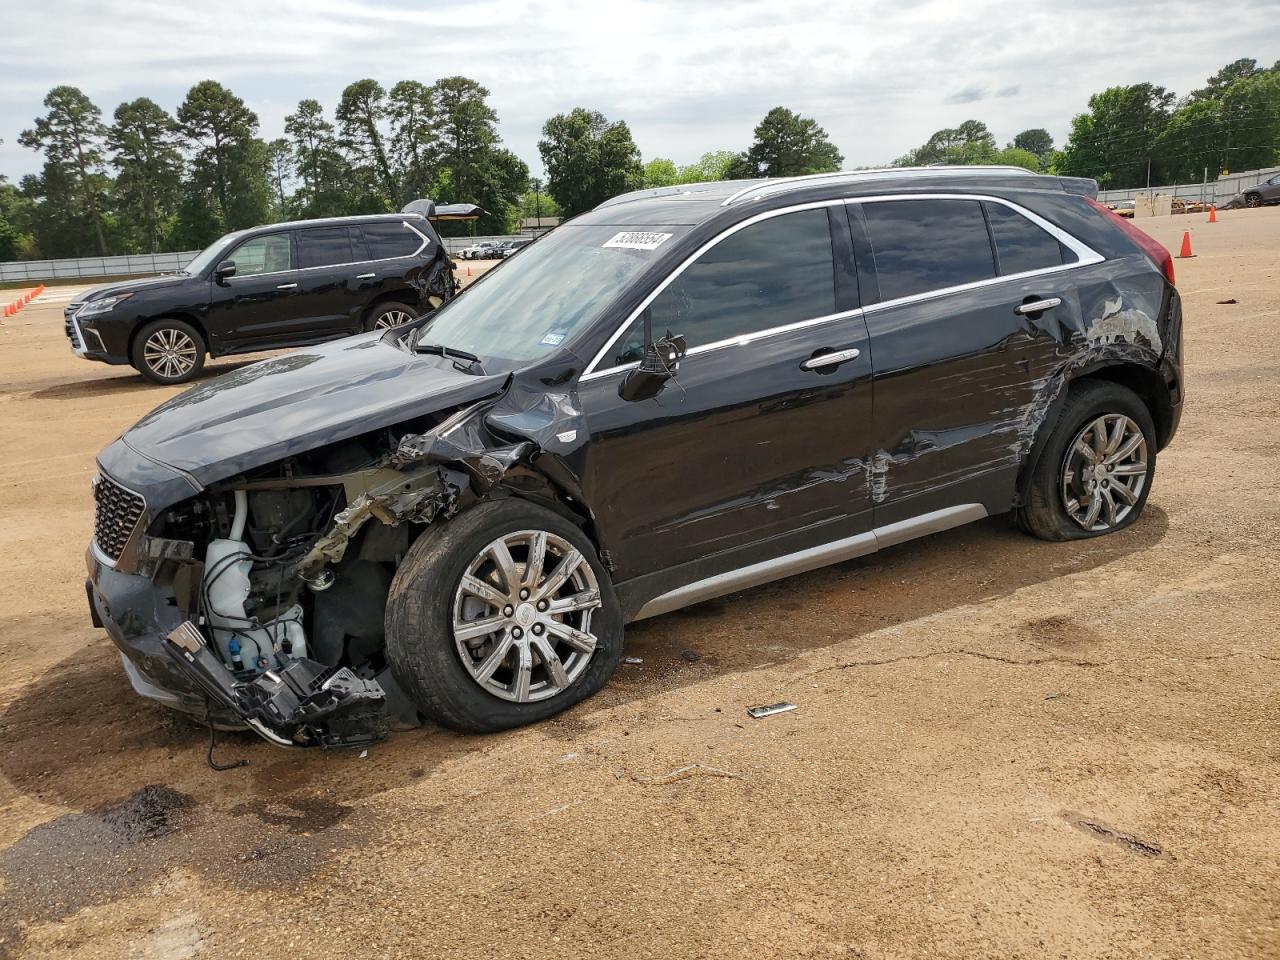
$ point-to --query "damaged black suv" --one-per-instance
(685, 392)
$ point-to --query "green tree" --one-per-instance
(537, 203)
(788, 145)
(16, 211)
(588, 159)
(1018, 157)
(1037, 140)
(361, 114)
(708, 168)
(969, 143)
(229, 159)
(1114, 142)
(146, 152)
(415, 140)
(661, 172)
(280, 173)
(71, 135)
(319, 163)
(468, 129)
(1241, 69)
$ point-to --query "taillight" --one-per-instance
(1151, 247)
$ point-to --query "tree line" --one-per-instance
(152, 181)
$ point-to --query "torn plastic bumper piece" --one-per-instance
(303, 704)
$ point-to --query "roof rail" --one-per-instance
(675, 190)
(776, 185)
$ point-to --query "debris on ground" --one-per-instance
(684, 773)
(1229, 300)
(774, 708)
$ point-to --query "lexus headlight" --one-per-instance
(95, 307)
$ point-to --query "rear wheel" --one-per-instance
(168, 351)
(1094, 474)
(502, 616)
(387, 315)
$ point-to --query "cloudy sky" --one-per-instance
(687, 75)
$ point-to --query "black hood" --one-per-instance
(133, 286)
(300, 401)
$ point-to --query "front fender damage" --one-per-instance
(426, 478)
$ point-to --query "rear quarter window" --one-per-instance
(388, 240)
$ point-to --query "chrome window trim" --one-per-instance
(592, 372)
(426, 242)
(1086, 256)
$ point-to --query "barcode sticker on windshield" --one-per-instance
(638, 240)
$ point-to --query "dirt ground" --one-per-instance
(1003, 748)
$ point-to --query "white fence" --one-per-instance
(88, 267)
(1215, 191)
(142, 264)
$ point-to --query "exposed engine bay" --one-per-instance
(283, 575)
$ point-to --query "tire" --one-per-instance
(1253, 199)
(427, 600)
(1059, 499)
(393, 313)
(168, 351)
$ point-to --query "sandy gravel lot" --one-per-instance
(1004, 748)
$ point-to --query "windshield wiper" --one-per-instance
(449, 353)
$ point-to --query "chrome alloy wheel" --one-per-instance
(1104, 472)
(169, 352)
(522, 616)
(392, 318)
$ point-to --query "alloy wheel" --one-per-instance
(1104, 472)
(1253, 200)
(392, 318)
(522, 616)
(169, 353)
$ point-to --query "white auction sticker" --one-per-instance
(638, 240)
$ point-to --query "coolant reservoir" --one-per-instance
(227, 564)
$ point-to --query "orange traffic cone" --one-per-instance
(1213, 214)
(468, 272)
(1186, 253)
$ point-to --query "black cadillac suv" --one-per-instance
(283, 285)
(685, 392)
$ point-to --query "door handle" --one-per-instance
(835, 358)
(286, 286)
(1037, 306)
(365, 276)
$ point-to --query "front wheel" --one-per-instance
(1094, 474)
(168, 351)
(501, 617)
(1253, 200)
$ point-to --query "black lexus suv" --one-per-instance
(283, 285)
(685, 392)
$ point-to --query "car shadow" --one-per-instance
(79, 734)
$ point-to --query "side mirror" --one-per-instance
(661, 362)
(224, 271)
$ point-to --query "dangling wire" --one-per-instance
(213, 764)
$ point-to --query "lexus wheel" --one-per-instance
(168, 351)
(1094, 474)
(388, 315)
(1253, 199)
(502, 616)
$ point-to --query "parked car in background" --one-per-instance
(478, 251)
(664, 400)
(515, 246)
(1123, 208)
(282, 285)
(1266, 192)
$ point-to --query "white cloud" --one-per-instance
(689, 76)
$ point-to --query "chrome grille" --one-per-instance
(72, 334)
(116, 515)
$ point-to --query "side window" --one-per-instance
(272, 253)
(774, 272)
(1020, 244)
(391, 239)
(923, 245)
(326, 247)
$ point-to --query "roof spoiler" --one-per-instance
(446, 211)
(1080, 186)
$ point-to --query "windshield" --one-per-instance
(556, 289)
(210, 255)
